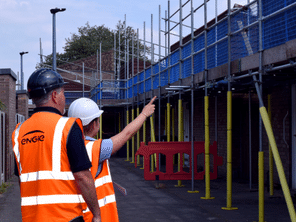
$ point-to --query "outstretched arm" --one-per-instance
(121, 138)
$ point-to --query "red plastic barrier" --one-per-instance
(169, 149)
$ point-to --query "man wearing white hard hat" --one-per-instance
(99, 151)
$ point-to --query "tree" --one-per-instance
(88, 39)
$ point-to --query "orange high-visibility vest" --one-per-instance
(103, 184)
(48, 188)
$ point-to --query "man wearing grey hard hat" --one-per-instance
(51, 158)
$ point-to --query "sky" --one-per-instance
(24, 22)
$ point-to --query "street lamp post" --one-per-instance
(53, 12)
(22, 74)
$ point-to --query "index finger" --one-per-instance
(152, 100)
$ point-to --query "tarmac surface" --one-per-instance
(162, 201)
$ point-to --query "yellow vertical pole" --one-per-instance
(207, 151)
(173, 131)
(278, 163)
(182, 130)
(179, 138)
(144, 139)
(127, 143)
(271, 190)
(173, 124)
(119, 126)
(138, 137)
(133, 139)
(165, 122)
(229, 153)
(168, 131)
(153, 157)
(261, 185)
(182, 123)
(101, 127)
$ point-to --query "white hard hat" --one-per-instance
(85, 109)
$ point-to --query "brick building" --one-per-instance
(16, 109)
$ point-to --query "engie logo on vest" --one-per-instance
(34, 139)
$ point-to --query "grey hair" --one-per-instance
(39, 101)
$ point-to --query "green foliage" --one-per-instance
(4, 187)
(87, 41)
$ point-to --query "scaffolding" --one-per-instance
(185, 66)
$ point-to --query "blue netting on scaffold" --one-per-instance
(135, 87)
(148, 73)
(186, 51)
(163, 64)
(155, 80)
(129, 83)
(186, 68)
(274, 31)
(141, 87)
(244, 43)
(164, 78)
(155, 68)
(98, 96)
(148, 85)
(92, 92)
(280, 28)
(135, 90)
(122, 84)
(76, 94)
(239, 19)
(175, 57)
(122, 94)
(238, 47)
(199, 62)
(271, 6)
(141, 76)
(130, 89)
(211, 57)
(289, 2)
(253, 13)
(211, 36)
(222, 29)
(253, 34)
(222, 52)
(109, 94)
(199, 43)
(291, 23)
(174, 73)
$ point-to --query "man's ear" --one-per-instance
(54, 96)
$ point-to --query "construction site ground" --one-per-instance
(149, 201)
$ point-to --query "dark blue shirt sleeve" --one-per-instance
(76, 150)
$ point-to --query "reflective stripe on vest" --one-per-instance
(51, 199)
(16, 146)
(104, 201)
(89, 150)
(46, 175)
(103, 180)
(57, 144)
(55, 174)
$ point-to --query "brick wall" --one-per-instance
(7, 96)
(22, 103)
(280, 105)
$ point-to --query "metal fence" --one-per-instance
(210, 48)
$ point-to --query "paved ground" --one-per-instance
(169, 204)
